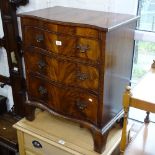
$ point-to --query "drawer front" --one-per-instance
(64, 29)
(28, 152)
(83, 48)
(60, 44)
(88, 49)
(67, 101)
(35, 146)
(61, 71)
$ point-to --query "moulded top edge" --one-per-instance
(105, 21)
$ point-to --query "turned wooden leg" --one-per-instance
(99, 140)
(124, 133)
(120, 122)
(126, 102)
(147, 118)
(30, 112)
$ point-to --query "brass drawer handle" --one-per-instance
(42, 90)
(41, 64)
(39, 38)
(36, 144)
(81, 105)
(82, 76)
(83, 48)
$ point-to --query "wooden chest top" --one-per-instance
(105, 21)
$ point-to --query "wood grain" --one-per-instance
(59, 28)
(61, 71)
(21, 142)
(117, 68)
(11, 41)
(55, 96)
(140, 97)
(93, 52)
(8, 136)
(48, 129)
(105, 21)
(70, 46)
(74, 60)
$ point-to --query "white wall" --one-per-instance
(119, 6)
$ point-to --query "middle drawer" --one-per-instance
(60, 70)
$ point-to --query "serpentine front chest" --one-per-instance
(77, 65)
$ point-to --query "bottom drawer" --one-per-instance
(35, 146)
(67, 101)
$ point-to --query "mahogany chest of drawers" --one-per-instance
(77, 64)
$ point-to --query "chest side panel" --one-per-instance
(118, 65)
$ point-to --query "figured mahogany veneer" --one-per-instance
(78, 47)
(77, 64)
(67, 101)
(62, 71)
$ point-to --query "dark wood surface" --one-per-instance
(76, 47)
(47, 25)
(83, 76)
(12, 44)
(4, 79)
(117, 68)
(80, 17)
(67, 101)
(8, 136)
(1, 42)
(73, 74)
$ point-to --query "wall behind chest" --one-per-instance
(119, 6)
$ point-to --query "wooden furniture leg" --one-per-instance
(126, 101)
(142, 98)
(21, 142)
(30, 112)
(99, 141)
(147, 118)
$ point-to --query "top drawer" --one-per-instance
(84, 48)
(61, 28)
